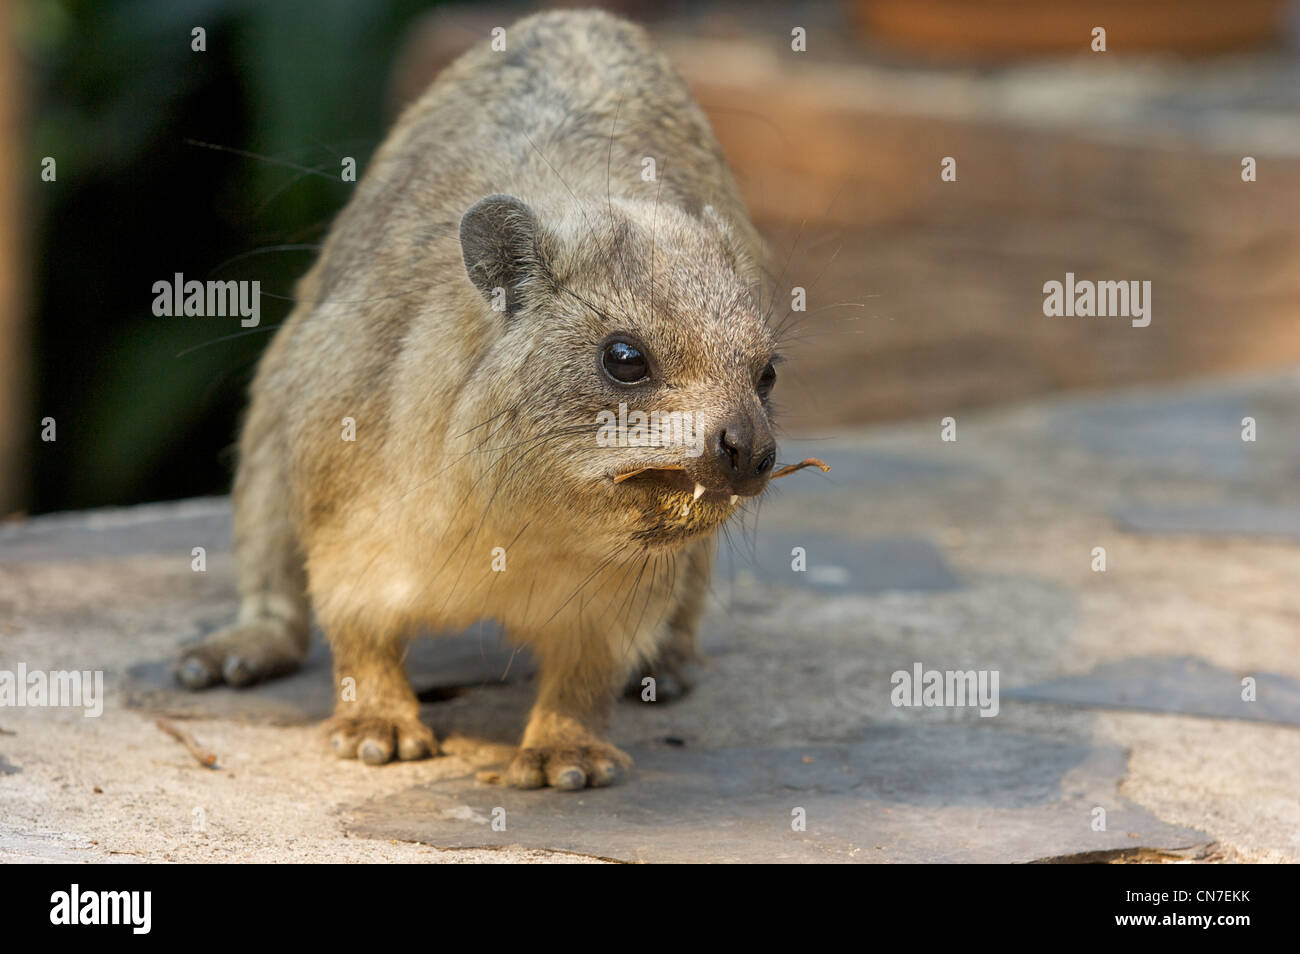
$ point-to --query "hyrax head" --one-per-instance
(630, 339)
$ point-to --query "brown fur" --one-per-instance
(474, 428)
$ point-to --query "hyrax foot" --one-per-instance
(568, 767)
(375, 739)
(241, 655)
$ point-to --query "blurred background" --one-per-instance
(924, 296)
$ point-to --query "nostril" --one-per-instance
(730, 449)
(765, 464)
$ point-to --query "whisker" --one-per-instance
(271, 160)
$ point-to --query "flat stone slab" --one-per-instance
(119, 532)
(1224, 519)
(1184, 685)
(838, 564)
(951, 793)
(1165, 433)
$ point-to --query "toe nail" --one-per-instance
(237, 671)
(570, 779)
(411, 749)
(372, 753)
(194, 674)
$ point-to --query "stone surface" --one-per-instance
(1185, 685)
(1174, 433)
(115, 533)
(844, 564)
(1214, 519)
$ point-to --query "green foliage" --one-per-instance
(147, 404)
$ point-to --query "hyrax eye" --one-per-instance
(624, 362)
(767, 379)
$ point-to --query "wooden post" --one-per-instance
(15, 423)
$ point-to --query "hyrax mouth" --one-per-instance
(675, 474)
(672, 478)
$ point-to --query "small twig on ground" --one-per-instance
(204, 757)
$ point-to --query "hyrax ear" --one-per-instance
(499, 242)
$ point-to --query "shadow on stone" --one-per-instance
(440, 669)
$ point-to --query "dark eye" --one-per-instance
(766, 380)
(624, 362)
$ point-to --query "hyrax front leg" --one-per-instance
(377, 715)
(563, 744)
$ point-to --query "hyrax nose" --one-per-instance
(744, 458)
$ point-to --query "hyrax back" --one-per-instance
(548, 238)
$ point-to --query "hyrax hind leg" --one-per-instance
(678, 652)
(269, 637)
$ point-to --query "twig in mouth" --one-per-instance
(619, 478)
(784, 471)
(204, 757)
(806, 462)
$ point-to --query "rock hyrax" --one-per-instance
(550, 232)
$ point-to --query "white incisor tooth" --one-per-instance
(734, 498)
(699, 491)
